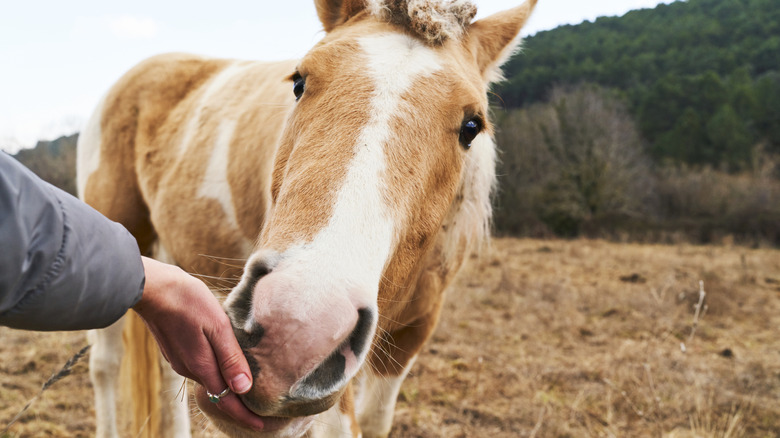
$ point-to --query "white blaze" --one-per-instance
(345, 260)
(357, 241)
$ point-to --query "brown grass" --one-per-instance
(582, 338)
(27, 361)
(543, 339)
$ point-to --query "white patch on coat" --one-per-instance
(215, 184)
(214, 86)
(88, 149)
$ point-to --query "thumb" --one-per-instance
(232, 363)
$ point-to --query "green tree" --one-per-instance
(686, 142)
(767, 114)
(672, 61)
(729, 137)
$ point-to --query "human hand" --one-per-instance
(195, 335)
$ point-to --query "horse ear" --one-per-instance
(332, 13)
(495, 38)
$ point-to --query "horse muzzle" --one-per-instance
(303, 339)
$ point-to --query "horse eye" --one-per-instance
(468, 130)
(299, 85)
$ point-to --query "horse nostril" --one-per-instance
(239, 303)
(248, 340)
(362, 332)
(328, 377)
(323, 380)
(259, 269)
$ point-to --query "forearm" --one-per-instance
(63, 266)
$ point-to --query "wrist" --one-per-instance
(158, 278)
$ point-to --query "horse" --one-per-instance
(354, 183)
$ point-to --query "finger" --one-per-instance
(231, 360)
(204, 366)
(233, 406)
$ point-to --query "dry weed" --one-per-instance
(541, 339)
(582, 338)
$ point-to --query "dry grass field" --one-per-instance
(541, 339)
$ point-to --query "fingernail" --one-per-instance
(241, 384)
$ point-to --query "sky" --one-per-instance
(58, 58)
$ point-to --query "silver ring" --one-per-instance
(214, 398)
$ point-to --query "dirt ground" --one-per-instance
(539, 339)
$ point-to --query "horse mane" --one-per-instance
(468, 224)
(434, 21)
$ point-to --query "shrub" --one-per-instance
(570, 161)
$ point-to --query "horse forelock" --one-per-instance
(432, 20)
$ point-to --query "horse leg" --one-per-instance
(339, 421)
(175, 404)
(375, 401)
(104, 361)
(108, 180)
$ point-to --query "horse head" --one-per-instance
(384, 168)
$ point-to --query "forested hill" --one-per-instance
(701, 77)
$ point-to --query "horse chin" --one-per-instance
(293, 408)
(274, 426)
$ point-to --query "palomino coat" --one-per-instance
(63, 266)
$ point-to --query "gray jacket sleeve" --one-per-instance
(63, 266)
